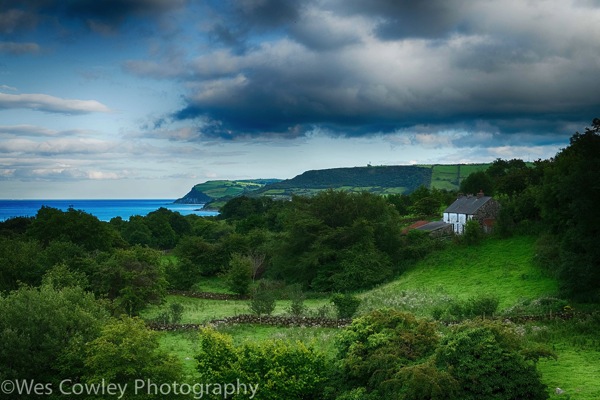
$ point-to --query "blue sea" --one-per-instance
(104, 210)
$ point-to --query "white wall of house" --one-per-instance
(458, 221)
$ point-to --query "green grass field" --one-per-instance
(200, 311)
(501, 268)
(449, 177)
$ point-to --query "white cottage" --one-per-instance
(480, 207)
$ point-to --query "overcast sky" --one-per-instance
(144, 98)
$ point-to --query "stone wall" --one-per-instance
(278, 320)
(490, 209)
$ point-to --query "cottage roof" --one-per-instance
(467, 204)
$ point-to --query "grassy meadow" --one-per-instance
(502, 268)
(448, 177)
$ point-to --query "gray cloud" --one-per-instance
(402, 19)
(12, 20)
(44, 102)
(15, 48)
(39, 131)
(98, 16)
(364, 67)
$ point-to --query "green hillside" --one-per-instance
(450, 176)
(381, 180)
(500, 268)
(215, 190)
(390, 179)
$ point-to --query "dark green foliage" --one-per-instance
(473, 234)
(15, 226)
(477, 181)
(197, 257)
(482, 306)
(378, 345)
(346, 305)
(43, 332)
(510, 177)
(262, 301)
(239, 275)
(547, 253)
(76, 226)
(20, 261)
(338, 241)
(569, 203)
(137, 232)
(243, 207)
(297, 307)
(132, 278)
(392, 355)
(484, 358)
(401, 202)
(426, 206)
(61, 276)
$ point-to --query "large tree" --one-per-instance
(569, 202)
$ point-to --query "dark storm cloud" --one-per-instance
(103, 15)
(358, 67)
(401, 19)
(266, 13)
(237, 21)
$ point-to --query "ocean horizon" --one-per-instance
(103, 209)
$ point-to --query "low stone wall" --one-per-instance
(278, 320)
(207, 295)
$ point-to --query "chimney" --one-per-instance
(480, 194)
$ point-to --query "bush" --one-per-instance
(176, 312)
(262, 301)
(239, 275)
(296, 296)
(277, 369)
(345, 304)
(375, 348)
(473, 234)
(126, 351)
(482, 306)
(484, 358)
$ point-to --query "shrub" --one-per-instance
(345, 304)
(239, 275)
(296, 296)
(262, 301)
(473, 233)
(388, 354)
(484, 358)
(375, 348)
(482, 306)
(127, 351)
(176, 312)
(280, 370)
